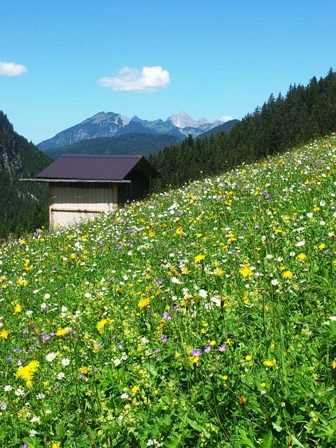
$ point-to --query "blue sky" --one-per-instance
(64, 61)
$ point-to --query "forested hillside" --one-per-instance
(23, 206)
(282, 122)
(143, 144)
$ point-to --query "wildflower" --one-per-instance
(248, 358)
(124, 396)
(65, 361)
(19, 392)
(202, 293)
(27, 372)
(269, 362)
(55, 445)
(166, 316)
(32, 433)
(194, 359)
(135, 389)
(35, 419)
(242, 400)
(245, 271)
(4, 334)
(8, 388)
(333, 364)
(17, 309)
(225, 377)
(117, 362)
(143, 303)
(199, 258)
(275, 282)
(50, 356)
(212, 343)
(61, 376)
(61, 332)
(40, 396)
(3, 405)
(222, 348)
(196, 352)
(164, 339)
(287, 274)
(302, 256)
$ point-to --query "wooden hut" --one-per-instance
(85, 186)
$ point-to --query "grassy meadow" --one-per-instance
(201, 317)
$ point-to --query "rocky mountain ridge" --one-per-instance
(111, 124)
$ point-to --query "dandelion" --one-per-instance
(4, 334)
(61, 332)
(27, 372)
(248, 358)
(301, 256)
(333, 364)
(269, 362)
(287, 274)
(143, 303)
(245, 271)
(199, 258)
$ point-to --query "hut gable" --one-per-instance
(84, 186)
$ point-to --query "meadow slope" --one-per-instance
(201, 317)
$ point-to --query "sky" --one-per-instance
(63, 61)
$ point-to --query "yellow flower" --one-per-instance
(4, 334)
(322, 246)
(185, 270)
(55, 445)
(143, 303)
(242, 400)
(302, 256)
(287, 274)
(212, 343)
(135, 389)
(245, 271)
(333, 364)
(199, 258)
(219, 272)
(225, 377)
(61, 332)
(17, 309)
(100, 325)
(27, 372)
(248, 357)
(179, 231)
(194, 359)
(269, 362)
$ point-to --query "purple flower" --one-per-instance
(222, 348)
(166, 316)
(164, 339)
(17, 350)
(25, 445)
(196, 352)
(121, 346)
(156, 350)
(207, 348)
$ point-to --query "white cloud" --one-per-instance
(226, 118)
(11, 69)
(149, 79)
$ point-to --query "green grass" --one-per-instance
(202, 317)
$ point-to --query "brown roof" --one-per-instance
(94, 167)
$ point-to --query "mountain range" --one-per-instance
(111, 124)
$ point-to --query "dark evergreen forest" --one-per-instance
(23, 206)
(281, 123)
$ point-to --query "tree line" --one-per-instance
(281, 123)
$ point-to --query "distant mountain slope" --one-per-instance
(113, 125)
(224, 127)
(143, 144)
(18, 159)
